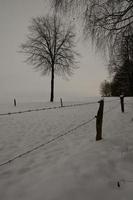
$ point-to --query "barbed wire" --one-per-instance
(44, 144)
(80, 104)
(26, 111)
(59, 136)
(51, 108)
(112, 100)
(46, 108)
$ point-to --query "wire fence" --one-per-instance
(47, 108)
(118, 99)
(71, 131)
(52, 108)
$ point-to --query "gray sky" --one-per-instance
(17, 79)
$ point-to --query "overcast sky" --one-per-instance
(17, 79)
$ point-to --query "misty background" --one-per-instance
(18, 79)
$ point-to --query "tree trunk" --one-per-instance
(52, 84)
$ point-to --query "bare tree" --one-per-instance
(107, 21)
(50, 48)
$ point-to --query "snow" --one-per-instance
(74, 166)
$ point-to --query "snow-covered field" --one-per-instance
(71, 167)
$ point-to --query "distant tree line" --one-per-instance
(121, 67)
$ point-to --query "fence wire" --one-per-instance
(57, 137)
(44, 144)
(112, 100)
(52, 108)
(46, 108)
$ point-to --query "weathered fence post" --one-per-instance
(99, 120)
(15, 103)
(61, 102)
(122, 102)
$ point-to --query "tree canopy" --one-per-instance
(106, 21)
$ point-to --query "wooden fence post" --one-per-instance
(15, 103)
(122, 102)
(61, 102)
(99, 120)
